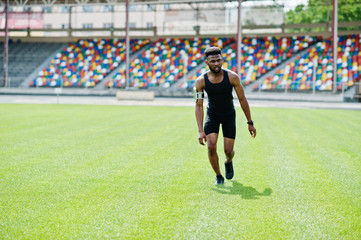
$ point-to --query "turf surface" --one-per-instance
(100, 172)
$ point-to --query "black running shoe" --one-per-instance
(229, 169)
(219, 179)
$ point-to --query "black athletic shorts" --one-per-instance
(228, 122)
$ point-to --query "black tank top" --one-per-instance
(220, 98)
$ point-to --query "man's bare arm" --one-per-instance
(199, 87)
(236, 82)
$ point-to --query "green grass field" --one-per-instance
(120, 172)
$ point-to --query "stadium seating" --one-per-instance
(24, 58)
(298, 75)
(259, 55)
(166, 61)
(85, 63)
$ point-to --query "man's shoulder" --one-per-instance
(231, 74)
(233, 77)
(200, 80)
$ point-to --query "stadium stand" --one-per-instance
(23, 58)
(166, 61)
(259, 55)
(85, 63)
(298, 75)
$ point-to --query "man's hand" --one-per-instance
(202, 138)
(252, 130)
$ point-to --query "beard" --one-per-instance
(214, 71)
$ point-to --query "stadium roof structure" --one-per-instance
(105, 2)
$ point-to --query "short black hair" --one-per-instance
(212, 51)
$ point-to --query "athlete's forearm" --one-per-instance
(199, 117)
(245, 108)
(243, 101)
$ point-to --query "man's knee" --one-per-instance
(228, 146)
(212, 148)
(228, 150)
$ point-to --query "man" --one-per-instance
(219, 84)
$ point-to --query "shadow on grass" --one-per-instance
(238, 189)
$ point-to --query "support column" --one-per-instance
(6, 42)
(239, 37)
(70, 20)
(127, 47)
(335, 44)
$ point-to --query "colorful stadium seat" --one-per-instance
(85, 63)
(166, 61)
(298, 75)
(259, 55)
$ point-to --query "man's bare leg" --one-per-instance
(228, 149)
(212, 152)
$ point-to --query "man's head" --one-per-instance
(214, 59)
(212, 51)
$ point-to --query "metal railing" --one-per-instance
(225, 30)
